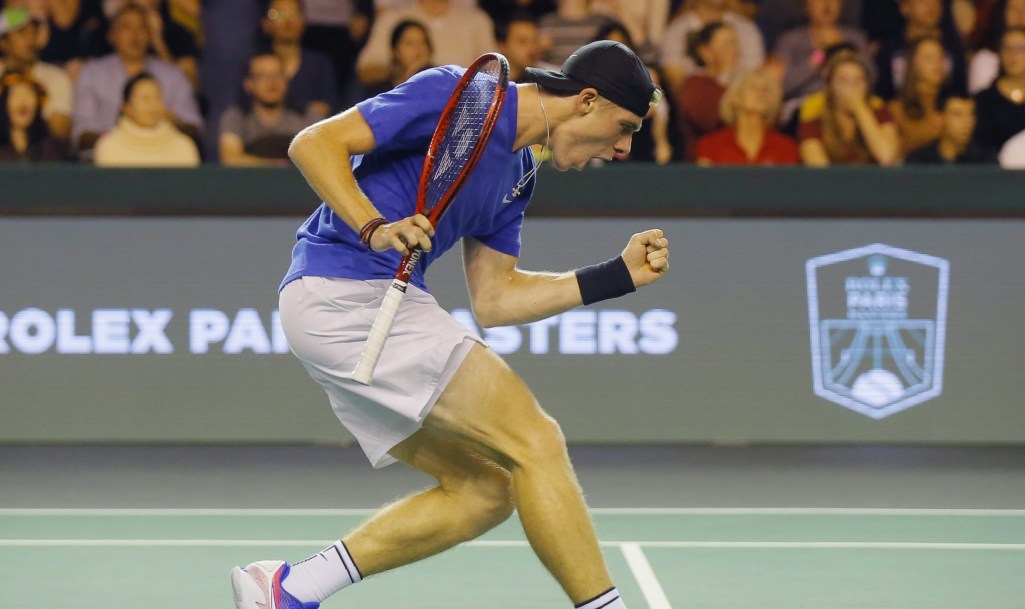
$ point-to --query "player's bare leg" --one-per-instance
(473, 495)
(487, 416)
(489, 408)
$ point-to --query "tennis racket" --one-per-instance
(458, 143)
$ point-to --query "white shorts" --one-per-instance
(326, 322)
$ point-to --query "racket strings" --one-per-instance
(467, 122)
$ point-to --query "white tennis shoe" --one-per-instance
(258, 586)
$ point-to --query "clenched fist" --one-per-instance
(647, 256)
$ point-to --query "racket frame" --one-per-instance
(364, 370)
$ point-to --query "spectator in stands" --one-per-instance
(777, 17)
(519, 40)
(675, 59)
(803, 50)
(312, 88)
(411, 52)
(18, 53)
(919, 121)
(232, 36)
(143, 137)
(24, 135)
(651, 143)
(985, 64)
(174, 27)
(98, 92)
(810, 106)
(715, 51)
(749, 109)
(1001, 108)
(852, 127)
(923, 18)
(338, 29)
(955, 143)
(502, 11)
(645, 20)
(57, 36)
(259, 132)
(572, 25)
(460, 34)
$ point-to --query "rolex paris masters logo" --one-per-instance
(878, 317)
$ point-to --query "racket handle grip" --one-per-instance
(364, 371)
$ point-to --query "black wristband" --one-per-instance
(368, 229)
(610, 279)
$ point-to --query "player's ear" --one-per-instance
(587, 100)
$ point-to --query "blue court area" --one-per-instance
(769, 558)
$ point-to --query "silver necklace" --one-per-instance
(548, 133)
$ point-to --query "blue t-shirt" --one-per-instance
(403, 121)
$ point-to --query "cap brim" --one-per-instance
(553, 80)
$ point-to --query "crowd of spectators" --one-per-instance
(775, 82)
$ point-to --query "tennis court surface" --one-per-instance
(167, 542)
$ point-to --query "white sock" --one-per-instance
(606, 600)
(322, 574)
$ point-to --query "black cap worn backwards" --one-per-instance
(611, 68)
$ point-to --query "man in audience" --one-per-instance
(261, 133)
(19, 52)
(673, 55)
(955, 144)
(518, 40)
(459, 35)
(312, 86)
(98, 90)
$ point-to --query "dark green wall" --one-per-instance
(614, 190)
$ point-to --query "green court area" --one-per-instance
(660, 559)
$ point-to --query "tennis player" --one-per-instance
(441, 401)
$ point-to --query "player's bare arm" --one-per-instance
(316, 151)
(502, 294)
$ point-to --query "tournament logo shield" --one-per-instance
(878, 319)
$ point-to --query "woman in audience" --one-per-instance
(411, 52)
(852, 128)
(715, 50)
(749, 109)
(919, 120)
(143, 137)
(1001, 108)
(24, 134)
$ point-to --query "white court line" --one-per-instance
(596, 511)
(645, 576)
(228, 543)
